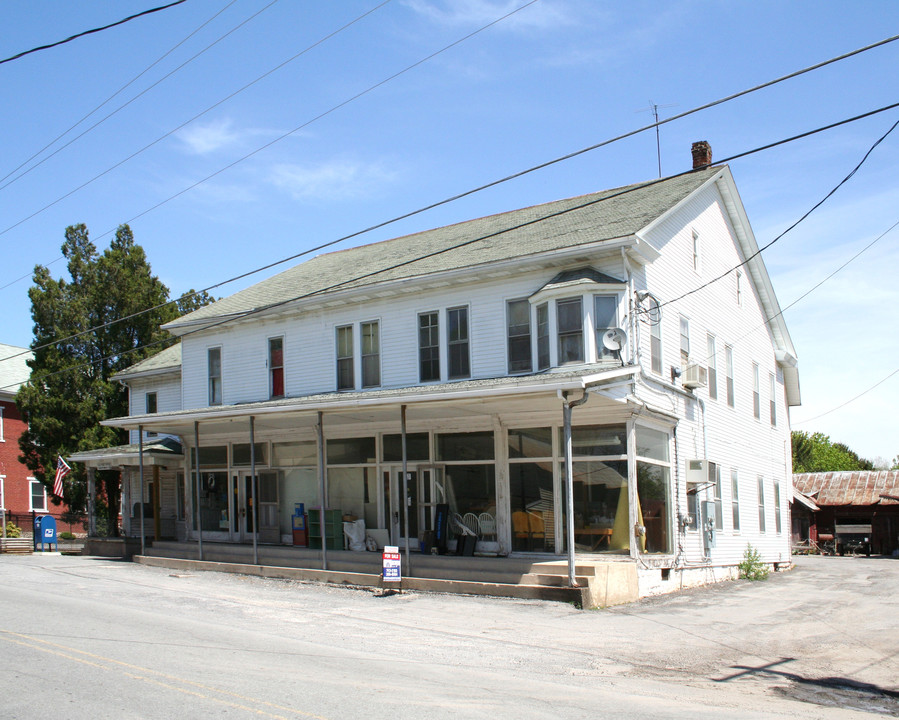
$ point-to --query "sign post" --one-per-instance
(391, 565)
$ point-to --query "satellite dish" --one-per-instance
(614, 339)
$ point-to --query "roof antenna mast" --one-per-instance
(654, 109)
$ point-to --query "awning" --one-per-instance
(162, 451)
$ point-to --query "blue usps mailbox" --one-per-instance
(45, 532)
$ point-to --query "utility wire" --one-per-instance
(357, 278)
(268, 144)
(840, 407)
(809, 212)
(118, 92)
(90, 32)
(494, 183)
(323, 246)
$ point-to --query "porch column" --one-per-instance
(127, 502)
(197, 494)
(567, 407)
(253, 507)
(91, 501)
(636, 530)
(322, 486)
(405, 489)
(140, 461)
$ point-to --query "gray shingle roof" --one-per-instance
(519, 233)
(168, 359)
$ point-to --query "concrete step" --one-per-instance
(552, 580)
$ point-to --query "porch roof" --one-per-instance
(523, 393)
(164, 451)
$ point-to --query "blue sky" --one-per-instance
(557, 76)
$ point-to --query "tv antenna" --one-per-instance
(654, 109)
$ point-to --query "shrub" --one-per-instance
(66, 535)
(752, 567)
(13, 531)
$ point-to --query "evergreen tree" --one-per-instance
(78, 346)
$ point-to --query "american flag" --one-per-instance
(62, 469)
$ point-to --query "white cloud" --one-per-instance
(203, 139)
(341, 178)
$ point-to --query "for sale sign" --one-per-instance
(392, 566)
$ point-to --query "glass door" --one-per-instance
(423, 492)
(243, 519)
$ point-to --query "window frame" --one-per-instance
(570, 334)
(544, 345)
(756, 392)
(684, 340)
(433, 348)
(371, 376)
(147, 407)
(458, 365)
(697, 252)
(275, 369)
(762, 519)
(601, 352)
(712, 365)
(778, 528)
(215, 384)
(655, 347)
(514, 363)
(735, 498)
(34, 483)
(345, 365)
(729, 375)
(773, 401)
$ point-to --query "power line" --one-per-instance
(95, 30)
(119, 91)
(360, 232)
(808, 212)
(265, 308)
(840, 407)
(268, 144)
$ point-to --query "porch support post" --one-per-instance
(91, 501)
(197, 481)
(140, 462)
(405, 488)
(322, 486)
(569, 483)
(253, 508)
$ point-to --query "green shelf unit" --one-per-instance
(333, 529)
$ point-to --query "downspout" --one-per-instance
(567, 407)
(631, 309)
(197, 480)
(253, 509)
(405, 489)
(321, 486)
(140, 462)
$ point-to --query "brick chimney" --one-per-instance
(702, 154)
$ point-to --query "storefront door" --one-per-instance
(243, 518)
(424, 491)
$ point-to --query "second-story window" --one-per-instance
(655, 346)
(428, 347)
(543, 359)
(457, 342)
(152, 408)
(518, 324)
(684, 340)
(729, 373)
(345, 370)
(371, 354)
(773, 384)
(276, 367)
(713, 368)
(570, 321)
(214, 372)
(605, 317)
(756, 392)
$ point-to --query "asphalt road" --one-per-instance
(93, 638)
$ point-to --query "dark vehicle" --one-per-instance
(852, 535)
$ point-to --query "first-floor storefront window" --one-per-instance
(471, 494)
(653, 490)
(601, 515)
(533, 509)
(213, 501)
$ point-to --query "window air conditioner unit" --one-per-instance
(695, 376)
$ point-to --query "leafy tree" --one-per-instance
(78, 346)
(814, 452)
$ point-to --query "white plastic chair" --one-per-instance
(487, 525)
(470, 521)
